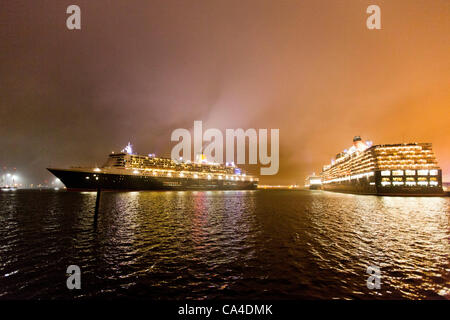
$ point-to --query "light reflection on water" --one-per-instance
(224, 244)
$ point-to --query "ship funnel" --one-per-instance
(359, 144)
(128, 149)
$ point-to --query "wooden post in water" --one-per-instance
(97, 205)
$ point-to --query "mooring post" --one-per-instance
(97, 204)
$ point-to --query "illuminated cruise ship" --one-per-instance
(129, 171)
(313, 182)
(389, 169)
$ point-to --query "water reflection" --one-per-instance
(224, 244)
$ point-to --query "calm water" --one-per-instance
(223, 244)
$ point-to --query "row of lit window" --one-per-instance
(196, 176)
(350, 166)
(410, 183)
(412, 179)
(411, 166)
(405, 156)
(218, 169)
(328, 179)
(407, 161)
(396, 159)
(399, 148)
(422, 172)
(404, 163)
(174, 164)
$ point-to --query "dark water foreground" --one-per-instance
(223, 244)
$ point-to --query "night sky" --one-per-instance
(137, 70)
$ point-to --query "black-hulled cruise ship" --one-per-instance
(388, 169)
(129, 171)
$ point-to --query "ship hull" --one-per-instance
(79, 180)
(373, 186)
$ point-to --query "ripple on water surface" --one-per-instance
(223, 244)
